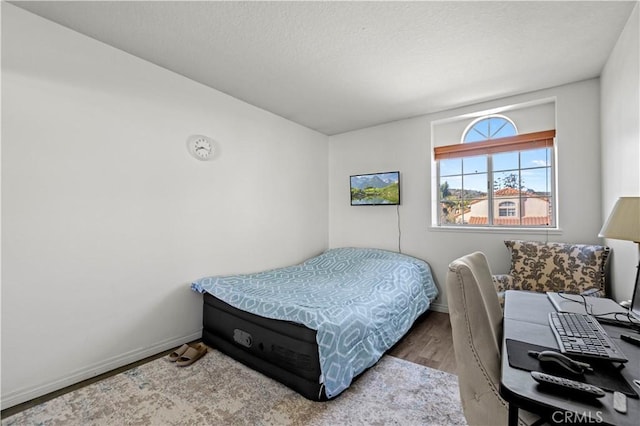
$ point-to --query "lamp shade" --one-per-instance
(624, 220)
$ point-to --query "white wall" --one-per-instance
(620, 117)
(106, 218)
(406, 146)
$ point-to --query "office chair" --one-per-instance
(476, 322)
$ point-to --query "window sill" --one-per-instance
(496, 230)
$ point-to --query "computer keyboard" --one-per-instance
(580, 334)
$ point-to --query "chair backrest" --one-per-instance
(476, 322)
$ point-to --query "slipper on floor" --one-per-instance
(173, 356)
(192, 354)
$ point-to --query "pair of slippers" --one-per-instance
(186, 354)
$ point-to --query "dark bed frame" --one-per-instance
(283, 350)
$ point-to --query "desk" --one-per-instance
(526, 319)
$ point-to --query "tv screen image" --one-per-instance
(374, 189)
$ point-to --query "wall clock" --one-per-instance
(200, 147)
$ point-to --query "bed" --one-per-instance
(317, 325)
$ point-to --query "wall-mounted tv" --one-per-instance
(375, 189)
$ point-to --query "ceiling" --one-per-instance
(341, 66)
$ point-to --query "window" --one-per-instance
(507, 208)
(497, 177)
(492, 127)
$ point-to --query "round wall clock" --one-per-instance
(200, 147)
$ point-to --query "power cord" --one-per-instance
(588, 309)
(399, 230)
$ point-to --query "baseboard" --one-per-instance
(26, 394)
(439, 307)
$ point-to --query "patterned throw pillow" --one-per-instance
(549, 266)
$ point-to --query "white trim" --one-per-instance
(28, 393)
(496, 230)
(439, 307)
(471, 112)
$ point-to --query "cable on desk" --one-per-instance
(588, 309)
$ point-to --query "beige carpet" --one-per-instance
(217, 390)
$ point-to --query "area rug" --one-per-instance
(217, 390)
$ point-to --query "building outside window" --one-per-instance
(497, 177)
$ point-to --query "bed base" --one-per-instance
(283, 350)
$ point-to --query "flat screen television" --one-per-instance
(375, 189)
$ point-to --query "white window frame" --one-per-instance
(508, 207)
(552, 166)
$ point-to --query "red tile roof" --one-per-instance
(508, 191)
(513, 221)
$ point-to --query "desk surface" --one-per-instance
(526, 319)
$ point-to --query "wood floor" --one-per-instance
(428, 343)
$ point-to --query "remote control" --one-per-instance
(568, 385)
(631, 339)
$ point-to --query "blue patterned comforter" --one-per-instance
(360, 302)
